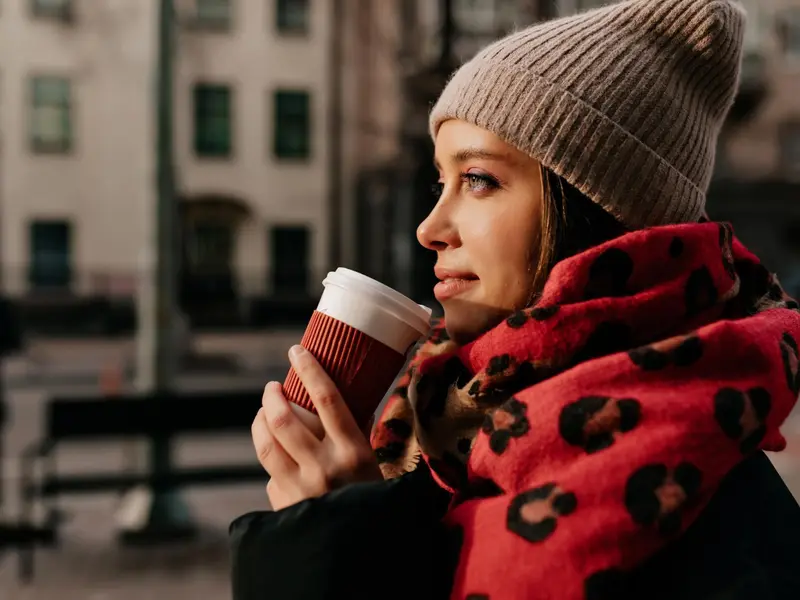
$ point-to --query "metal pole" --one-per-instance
(158, 515)
(448, 34)
(4, 416)
(164, 357)
(335, 135)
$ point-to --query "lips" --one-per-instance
(445, 274)
(453, 283)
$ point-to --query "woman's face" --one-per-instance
(484, 228)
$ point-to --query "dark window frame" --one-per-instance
(286, 28)
(37, 145)
(201, 146)
(207, 23)
(282, 149)
(64, 13)
(38, 273)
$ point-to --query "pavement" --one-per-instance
(89, 565)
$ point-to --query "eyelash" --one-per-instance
(474, 179)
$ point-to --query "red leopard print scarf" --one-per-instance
(582, 434)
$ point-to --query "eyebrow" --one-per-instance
(472, 153)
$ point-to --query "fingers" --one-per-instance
(286, 428)
(310, 420)
(270, 454)
(302, 465)
(336, 417)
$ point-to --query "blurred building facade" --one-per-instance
(77, 115)
(301, 140)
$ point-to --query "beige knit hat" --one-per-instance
(625, 102)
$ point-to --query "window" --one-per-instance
(52, 9)
(212, 120)
(790, 149)
(292, 124)
(50, 255)
(213, 14)
(293, 16)
(51, 115)
(290, 251)
(789, 32)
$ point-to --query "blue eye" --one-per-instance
(480, 183)
(477, 183)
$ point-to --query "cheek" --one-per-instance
(504, 256)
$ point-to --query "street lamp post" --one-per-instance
(159, 514)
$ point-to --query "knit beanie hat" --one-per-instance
(625, 102)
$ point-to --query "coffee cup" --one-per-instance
(361, 333)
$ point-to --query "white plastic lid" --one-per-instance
(416, 315)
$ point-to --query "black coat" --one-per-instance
(383, 541)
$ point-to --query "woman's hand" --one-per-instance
(300, 464)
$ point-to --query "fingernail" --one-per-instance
(296, 351)
(273, 402)
(269, 390)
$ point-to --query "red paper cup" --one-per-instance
(361, 333)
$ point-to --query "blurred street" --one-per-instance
(89, 565)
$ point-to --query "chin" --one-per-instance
(468, 322)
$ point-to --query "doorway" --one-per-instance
(290, 249)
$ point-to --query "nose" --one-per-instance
(438, 231)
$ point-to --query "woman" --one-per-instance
(590, 421)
